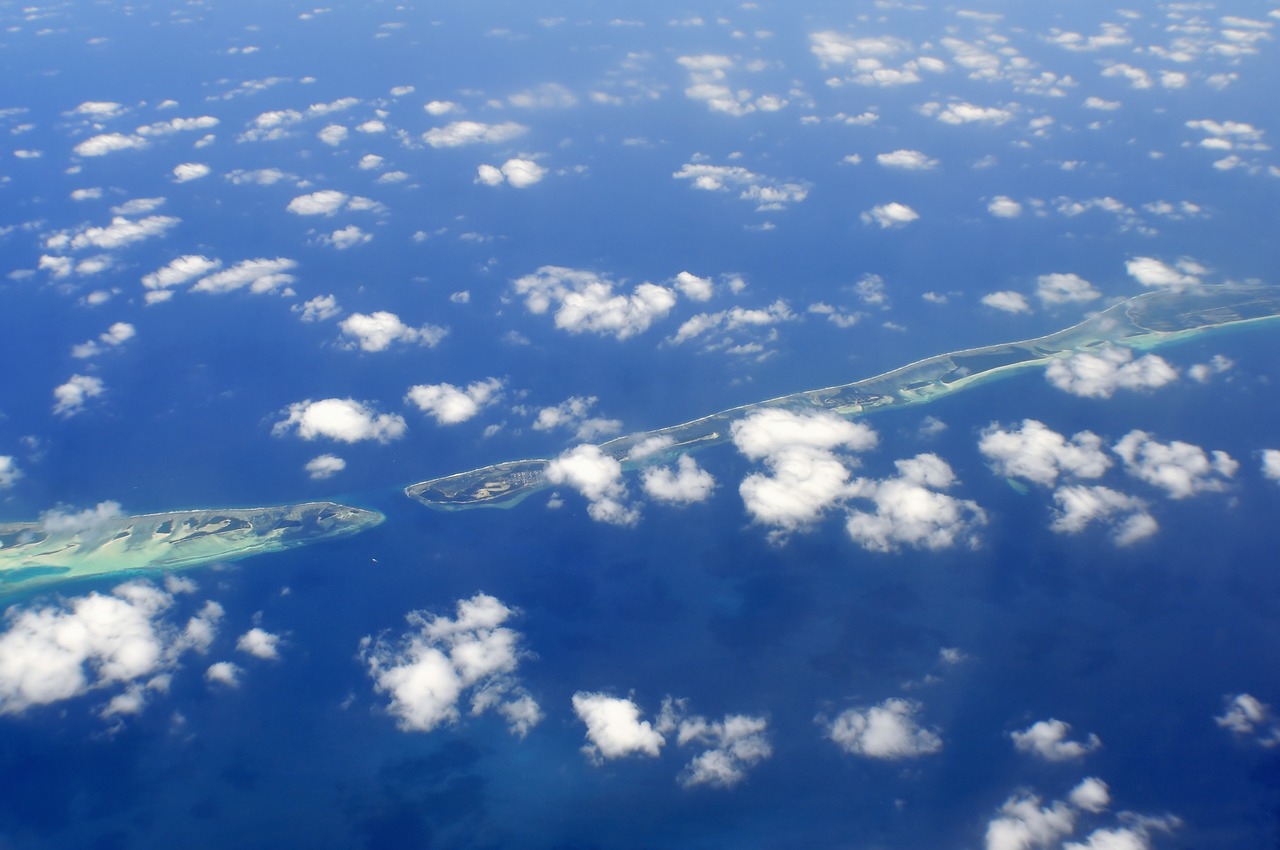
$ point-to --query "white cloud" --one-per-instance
(806, 477)
(333, 134)
(325, 466)
(1180, 469)
(1055, 289)
(1079, 506)
(1024, 824)
(224, 673)
(908, 160)
(1098, 103)
(736, 318)
(910, 511)
(1099, 375)
(967, 113)
(342, 419)
(586, 301)
(450, 405)
(1247, 716)
(1002, 206)
(869, 59)
(100, 110)
(460, 133)
(189, 171)
(489, 175)
(1091, 795)
(318, 309)
(260, 275)
(9, 472)
(598, 478)
(1149, 271)
(121, 232)
(614, 727)
(441, 107)
(324, 202)
(544, 96)
(1203, 372)
(1007, 301)
(179, 271)
(377, 331)
(178, 125)
(1137, 77)
(767, 193)
(520, 173)
(61, 651)
(440, 662)
(886, 731)
(693, 287)
(108, 143)
(260, 176)
(346, 237)
(259, 643)
(1048, 740)
(90, 194)
(888, 215)
(138, 206)
(686, 484)
(1039, 454)
(64, 521)
(573, 413)
(734, 744)
(70, 398)
(117, 334)
(1271, 464)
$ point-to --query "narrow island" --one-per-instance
(34, 555)
(1146, 321)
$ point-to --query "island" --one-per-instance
(1146, 321)
(33, 554)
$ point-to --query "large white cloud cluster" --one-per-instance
(911, 510)
(586, 301)
(1037, 453)
(1101, 374)
(598, 478)
(440, 662)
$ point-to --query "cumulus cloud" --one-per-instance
(1248, 717)
(686, 484)
(908, 160)
(614, 727)
(1038, 453)
(1100, 374)
(379, 330)
(961, 112)
(1180, 469)
(1023, 822)
(259, 643)
(346, 237)
(574, 412)
(324, 202)
(520, 173)
(1048, 740)
(598, 478)
(189, 171)
(888, 215)
(260, 275)
(178, 125)
(886, 731)
(910, 510)
(1002, 206)
(69, 398)
(586, 301)
(449, 405)
(224, 673)
(1271, 464)
(9, 472)
(805, 475)
(108, 143)
(1149, 271)
(693, 287)
(440, 662)
(318, 309)
(118, 334)
(1007, 301)
(732, 745)
(333, 134)
(1080, 505)
(767, 193)
(1056, 289)
(1202, 372)
(459, 133)
(871, 60)
(342, 419)
(733, 319)
(124, 638)
(121, 232)
(325, 466)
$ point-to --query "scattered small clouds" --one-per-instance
(342, 419)
(598, 478)
(1079, 506)
(1101, 374)
(887, 731)
(325, 466)
(889, 215)
(1048, 740)
(1201, 373)
(459, 133)
(574, 413)
(70, 398)
(449, 405)
(1248, 717)
(767, 193)
(731, 320)
(1180, 469)
(519, 173)
(586, 301)
(260, 275)
(118, 334)
(377, 331)
(439, 662)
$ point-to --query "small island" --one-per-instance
(32, 555)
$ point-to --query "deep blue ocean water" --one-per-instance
(1139, 645)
